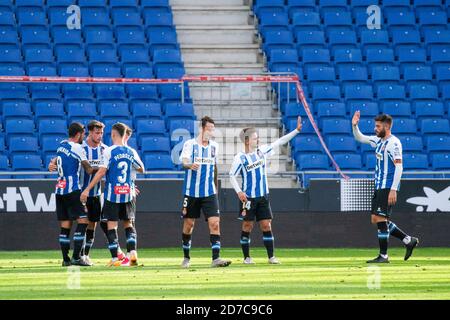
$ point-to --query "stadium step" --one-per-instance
(202, 15)
(224, 68)
(222, 55)
(232, 112)
(243, 92)
(220, 35)
(208, 3)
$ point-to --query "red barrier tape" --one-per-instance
(260, 79)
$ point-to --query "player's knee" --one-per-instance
(214, 225)
(188, 224)
(266, 226)
(247, 226)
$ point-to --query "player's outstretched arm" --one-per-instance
(88, 168)
(356, 133)
(288, 137)
(96, 179)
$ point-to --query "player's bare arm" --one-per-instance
(96, 179)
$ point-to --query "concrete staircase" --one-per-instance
(218, 37)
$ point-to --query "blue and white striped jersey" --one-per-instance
(253, 170)
(69, 156)
(120, 160)
(95, 158)
(200, 183)
(386, 152)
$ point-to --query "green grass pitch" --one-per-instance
(303, 274)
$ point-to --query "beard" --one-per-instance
(381, 134)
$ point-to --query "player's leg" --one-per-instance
(190, 212)
(131, 236)
(409, 242)
(94, 214)
(65, 227)
(210, 208)
(383, 238)
(188, 228)
(64, 241)
(247, 227)
(79, 212)
(264, 216)
(268, 239)
(111, 214)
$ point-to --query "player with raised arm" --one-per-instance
(199, 159)
(118, 161)
(70, 158)
(251, 165)
(388, 172)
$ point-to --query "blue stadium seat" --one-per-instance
(70, 53)
(49, 109)
(7, 18)
(336, 126)
(423, 91)
(110, 92)
(396, 108)
(113, 109)
(438, 143)
(13, 91)
(10, 54)
(352, 73)
(23, 144)
(368, 109)
(411, 143)
(428, 109)
(73, 70)
(369, 161)
(385, 73)
(305, 21)
(391, 91)
(95, 16)
(435, 126)
(415, 161)
(143, 91)
(167, 56)
(349, 161)
(326, 92)
(347, 55)
(16, 109)
(38, 55)
(26, 162)
(49, 144)
(35, 16)
(158, 162)
(126, 17)
(400, 18)
(281, 39)
(380, 55)
(312, 162)
(8, 34)
(157, 19)
(440, 54)
(130, 35)
(152, 127)
(295, 6)
(58, 16)
(102, 55)
(417, 73)
(345, 38)
(34, 35)
(313, 38)
(337, 18)
(262, 6)
(52, 127)
(182, 124)
(307, 143)
(179, 110)
(374, 38)
(273, 21)
(331, 109)
(155, 145)
(321, 73)
(4, 165)
(358, 92)
(316, 56)
(440, 161)
(137, 71)
(62, 35)
(105, 70)
(405, 126)
(411, 55)
(443, 73)
(403, 37)
(135, 54)
(342, 144)
(145, 109)
(16, 127)
(77, 91)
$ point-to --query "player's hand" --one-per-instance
(83, 197)
(137, 191)
(52, 167)
(195, 166)
(299, 124)
(242, 196)
(356, 117)
(392, 199)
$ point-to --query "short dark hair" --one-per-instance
(120, 127)
(246, 133)
(94, 124)
(129, 131)
(206, 120)
(385, 118)
(75, 128)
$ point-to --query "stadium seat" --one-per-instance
(23, 144)
(146, 127)
(158, 162)
(342, 144)
(349, 161)
(396, 108)
(411, 144)
(155, 145)
(312, 162)
(26, 162)
(336, 126)
(50, 144)
(114, 109)
(49, 109)
(405, 126)
(415, 161)
(331, 109)
(435, 126)
(440, 161)
(307, 144)
(438, 143)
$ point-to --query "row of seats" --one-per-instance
(412, 161)
(402, 69)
